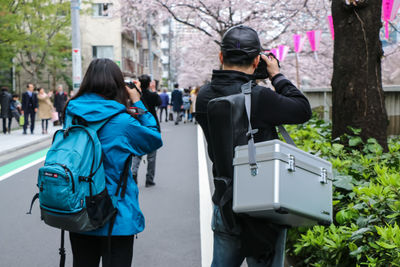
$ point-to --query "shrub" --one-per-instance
(366, 200)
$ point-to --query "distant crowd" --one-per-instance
(178, 105)
(47, 105)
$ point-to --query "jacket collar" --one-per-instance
(228, 82)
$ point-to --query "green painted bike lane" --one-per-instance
(22, 162)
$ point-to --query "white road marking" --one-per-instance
(206, 207)
(20, 169)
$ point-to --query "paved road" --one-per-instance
(172, 235)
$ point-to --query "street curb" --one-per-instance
(16, 148)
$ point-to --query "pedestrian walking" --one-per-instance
(193, 97)
(164, 104)
(5, 102)
(151, 100)
(186, 103)
(45, 109)
(15, 107)
(104, 95)
(60, 98)
(29, 107)
(177, 102)
(237, 238)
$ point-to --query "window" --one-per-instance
(103, 52)
(101, 10)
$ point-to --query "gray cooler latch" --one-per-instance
(323, 179)
(254, 170)
(291, 163)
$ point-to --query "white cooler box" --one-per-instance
(292, 187)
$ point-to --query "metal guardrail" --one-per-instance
(322, 98)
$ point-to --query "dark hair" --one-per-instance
(176, 85)
(103, 77)
(15, 95)
(4, 88)
(234, 59)
(144, 81)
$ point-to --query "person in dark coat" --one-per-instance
(177, 102)
(5, 101)
(151, 100)
(60, 98)
(164, 104)
(29, 107)
(237, 238)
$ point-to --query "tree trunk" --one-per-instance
(358, 97)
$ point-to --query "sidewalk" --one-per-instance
(16, 140)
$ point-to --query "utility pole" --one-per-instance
(76, 46)
(149, 39)
(169, 54)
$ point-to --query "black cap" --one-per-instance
(241, 40)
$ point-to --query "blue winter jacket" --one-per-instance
(121, 136)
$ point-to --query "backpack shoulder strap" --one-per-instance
(246, 90)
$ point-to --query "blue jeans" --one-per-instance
(227, 246)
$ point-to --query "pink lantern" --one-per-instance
(298, 42)
(330, 21)
(315, 38)
(275, 52)
(389, 12)
(283, 51)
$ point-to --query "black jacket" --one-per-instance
(29, 104)
(269, 108)
(60, 100)
(176, 100)
(5, 102)
(286, 105)
(151, 101)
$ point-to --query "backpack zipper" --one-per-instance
(70, 173)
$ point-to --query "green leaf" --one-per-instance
(344, 182)
(386, 245)
(355, 141)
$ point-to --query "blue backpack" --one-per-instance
(72, 184)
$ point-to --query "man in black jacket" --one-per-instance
(60, 98)
(29, 107)
(253, 239)
(151, 100)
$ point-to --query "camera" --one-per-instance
(132, 85)
(261, 71)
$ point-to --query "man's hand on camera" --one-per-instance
(134, 94)
(272, 65)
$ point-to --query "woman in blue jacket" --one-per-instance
(102, 95)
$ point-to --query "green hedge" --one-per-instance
(366, 202)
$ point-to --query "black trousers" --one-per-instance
(5, 124)
(87, 250)
(166, 113)
(29, 114)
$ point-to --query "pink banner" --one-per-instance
(390, 9)
(283, 51)
(315, 38)
(275, 52)
(330, 21)
(298, 42)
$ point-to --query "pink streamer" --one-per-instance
(387, 30)
(298, 42)
(330, 20)
(283, 51)
(275, 52)
(315, 38)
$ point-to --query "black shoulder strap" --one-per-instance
(124, 177)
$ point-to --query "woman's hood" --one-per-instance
(92, 107)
